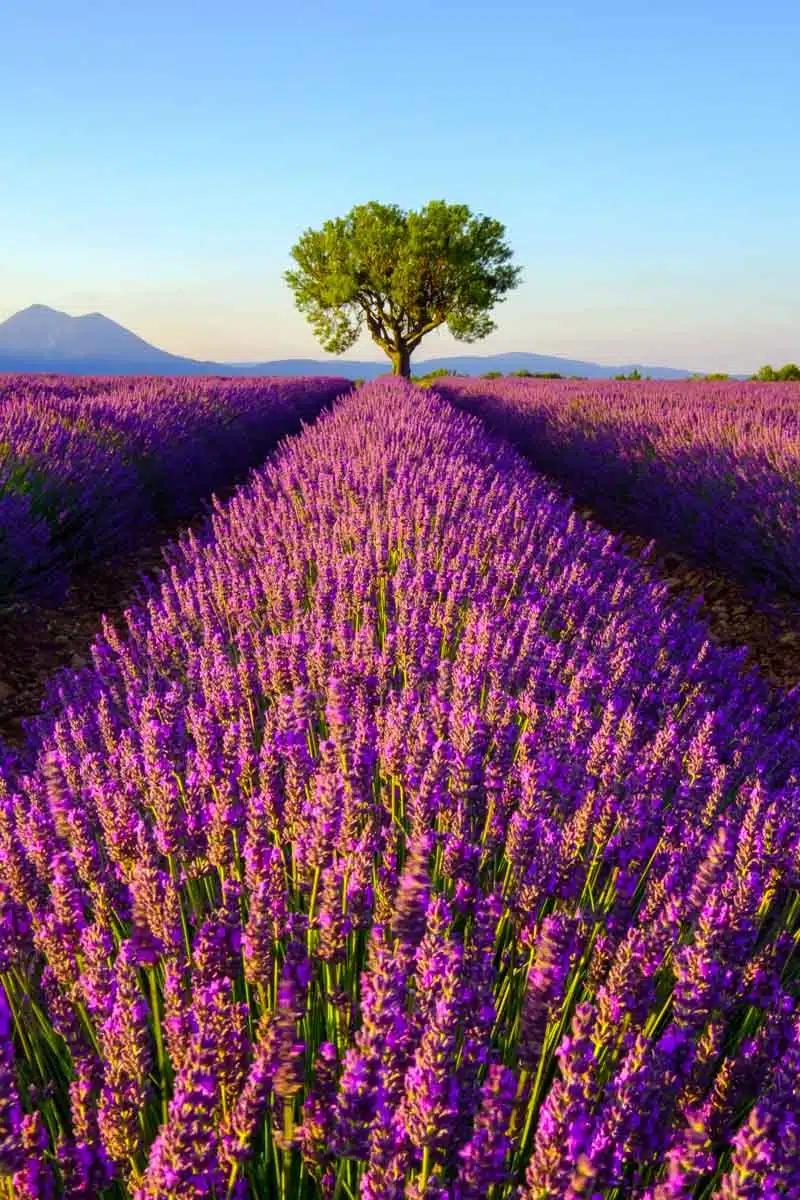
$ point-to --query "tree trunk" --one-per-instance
(401, 361)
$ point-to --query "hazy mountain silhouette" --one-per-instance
(47, 331)
(473, 364)
(43, 339)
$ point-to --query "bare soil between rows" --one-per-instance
(35, 641)
(770, 632)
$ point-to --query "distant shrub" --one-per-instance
(788, 372)
(523, 374)
(439, 373)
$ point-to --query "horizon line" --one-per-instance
(326, 357)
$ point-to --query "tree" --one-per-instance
(403, 274)
(788, 372)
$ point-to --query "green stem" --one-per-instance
(159, 1037)
(426, 1169)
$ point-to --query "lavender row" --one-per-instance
(88, 466)
(709, 469)
(410, 844)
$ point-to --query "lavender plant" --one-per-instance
(712, 469)
(409, 843)
(89, 465)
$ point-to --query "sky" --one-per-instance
(159, 159)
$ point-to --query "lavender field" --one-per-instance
(711, 469)
(88, 466)
(409, 842)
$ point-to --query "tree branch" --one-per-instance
(373, 311)
(416, 337)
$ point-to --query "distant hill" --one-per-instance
(43, 339)
(474, 364)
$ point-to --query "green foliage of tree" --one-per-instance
(403, 274)
(789, 372)
(635, 374)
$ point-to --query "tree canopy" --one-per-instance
(402, 274)
(788, 372)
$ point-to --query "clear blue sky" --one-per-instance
(159, 157)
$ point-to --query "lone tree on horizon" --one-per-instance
(403, 274)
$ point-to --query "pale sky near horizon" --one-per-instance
(159, 160)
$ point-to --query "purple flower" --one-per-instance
(400, 732)
(184, 1158)
(125, 1042)
(483, 1160)
(766, 1150)
(555, 947)
(35, 1179)
(243, 1120)
(411, 903)
(430, 1103)
(11, 1143)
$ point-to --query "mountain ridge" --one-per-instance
(43, 339)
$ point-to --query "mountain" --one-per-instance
(46, 331)
(475, 364)
(43, 339)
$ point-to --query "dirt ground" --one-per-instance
(771, 635)
(35, 641)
